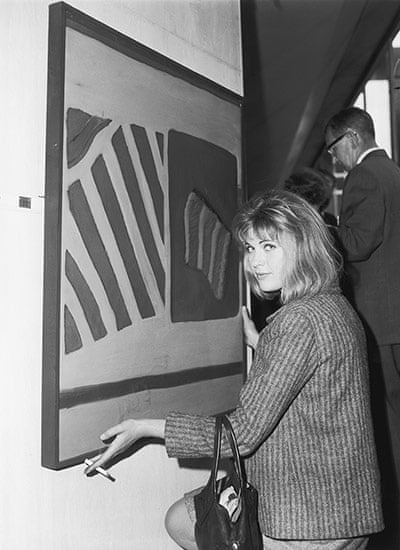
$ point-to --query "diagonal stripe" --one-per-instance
(72, 338)
(114, 215)
(219, 283)
(135, 197)
(149, 168)
(83, 217)
(85, 296)
(217, 275)
(191, 216)
(111, 390)
(160, 143)
(215, 237)
(208, 223)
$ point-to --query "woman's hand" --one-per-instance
(249, 329)
(123, 435)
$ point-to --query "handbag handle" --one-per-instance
(222, 419)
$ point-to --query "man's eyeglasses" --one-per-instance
(335, 141)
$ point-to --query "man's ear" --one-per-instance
(355, 139)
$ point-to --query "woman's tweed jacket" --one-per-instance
(304, 422)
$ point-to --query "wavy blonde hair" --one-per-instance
(312, 262)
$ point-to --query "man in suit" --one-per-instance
(369, 233)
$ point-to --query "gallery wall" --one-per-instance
(41, 508)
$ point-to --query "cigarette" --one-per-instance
(100, 470)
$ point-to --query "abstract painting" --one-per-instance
(142, 284)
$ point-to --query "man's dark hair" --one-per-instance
(355, 119)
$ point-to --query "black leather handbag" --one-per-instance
(227, 509)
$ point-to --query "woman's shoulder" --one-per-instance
(332, 295)
(313, 309)
(326, 317)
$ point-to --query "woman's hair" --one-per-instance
(312, 262)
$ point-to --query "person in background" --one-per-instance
(315, 187)
(369, 232)
(303, 421)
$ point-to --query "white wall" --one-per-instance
(42, 509)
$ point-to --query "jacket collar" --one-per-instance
(367, 152)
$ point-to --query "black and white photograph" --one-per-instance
(200, 232)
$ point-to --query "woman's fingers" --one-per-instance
(100, 461)
(249, 329)
(245, 313)
(121, 437)
(111, 432)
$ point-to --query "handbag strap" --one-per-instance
(222, 419)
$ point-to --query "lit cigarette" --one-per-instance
(100, 470)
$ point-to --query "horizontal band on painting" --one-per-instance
(80, 426)
(110, 390)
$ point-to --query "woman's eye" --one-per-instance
(248, 248)
(269, 246)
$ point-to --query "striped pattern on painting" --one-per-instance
(206, 242)
(115, 177)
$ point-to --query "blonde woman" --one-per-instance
(303, 420)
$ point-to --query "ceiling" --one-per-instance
(303, 61)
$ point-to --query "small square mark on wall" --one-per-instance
(24, 202)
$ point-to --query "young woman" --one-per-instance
(303, 419)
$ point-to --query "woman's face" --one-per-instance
(265, 259)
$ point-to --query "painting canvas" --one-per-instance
(142, 284)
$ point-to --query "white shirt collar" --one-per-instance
(367, 152)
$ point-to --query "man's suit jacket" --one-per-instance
(369, 231)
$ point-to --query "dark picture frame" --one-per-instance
(142, 282)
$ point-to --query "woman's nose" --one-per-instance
(258, 259)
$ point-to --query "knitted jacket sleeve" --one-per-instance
(282, 364)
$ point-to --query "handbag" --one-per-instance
(227, 509)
